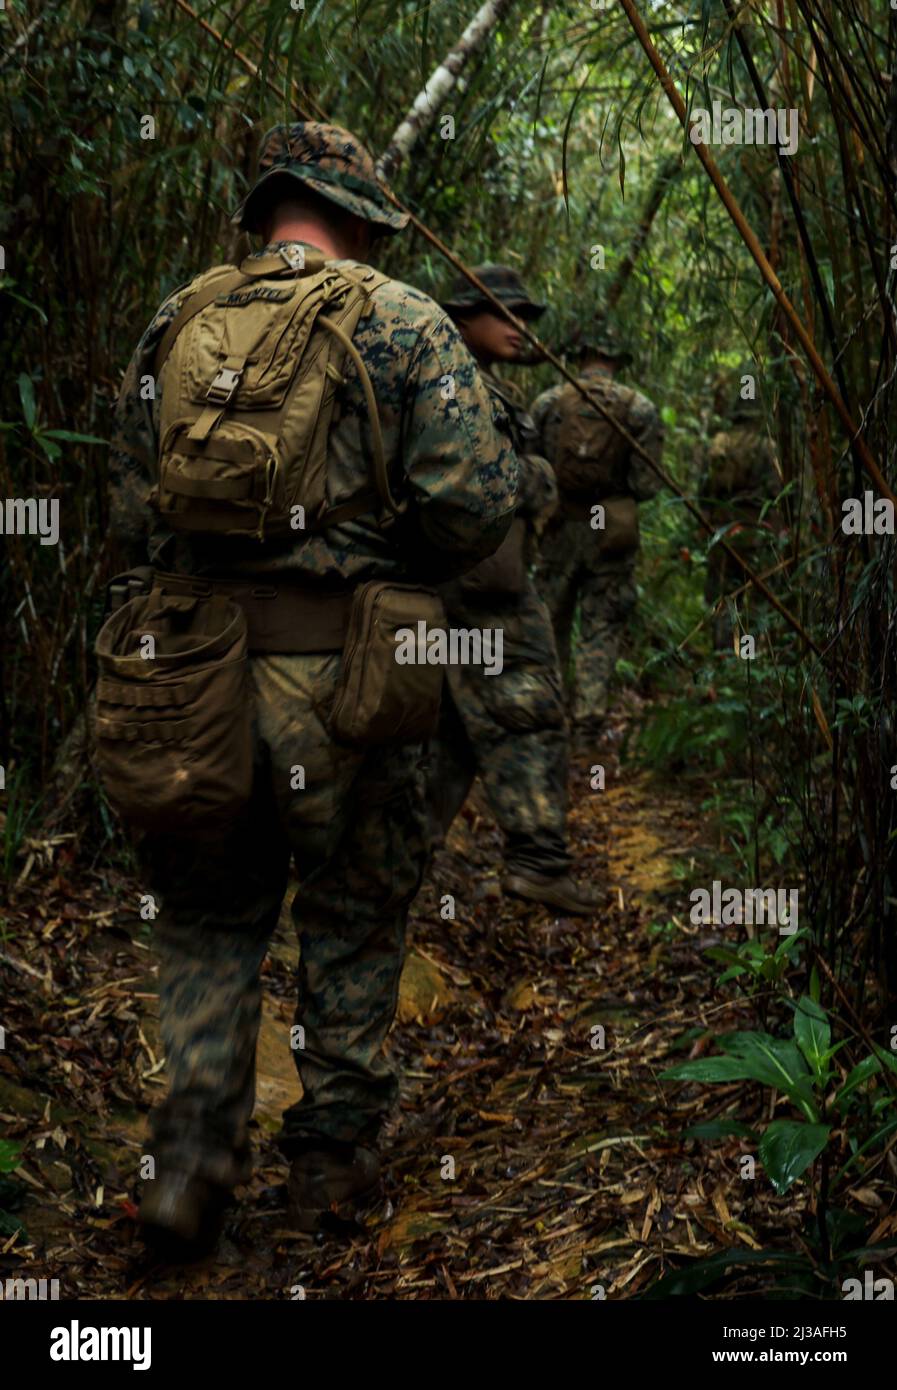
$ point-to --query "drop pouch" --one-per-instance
(174, 735)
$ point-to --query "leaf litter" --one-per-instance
(570, 1171)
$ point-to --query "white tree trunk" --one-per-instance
(430, 101)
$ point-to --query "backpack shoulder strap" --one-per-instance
(230, 279)
(365, 279)
(223, 281)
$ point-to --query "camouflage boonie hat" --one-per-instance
(331, 162)
(597, 340)
(504, 282)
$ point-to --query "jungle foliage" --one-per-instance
(563, 141)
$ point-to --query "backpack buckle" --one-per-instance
(224, 385)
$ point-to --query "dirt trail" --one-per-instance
(532, 1157)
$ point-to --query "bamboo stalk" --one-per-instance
(750, 240)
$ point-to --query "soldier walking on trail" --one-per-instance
(509, 727)
(738, 479)
(588, 557)
(259, 476)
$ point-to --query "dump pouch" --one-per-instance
(378, 699)
(174, 739)
(504, 572)
(621, 533)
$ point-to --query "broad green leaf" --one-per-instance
(709, 1069)
(776, 1062)
(788, 1148)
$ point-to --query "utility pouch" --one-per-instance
(621, 533)
(503, 572)
(174, 738)
(380, 699)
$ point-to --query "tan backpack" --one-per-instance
(252, 364)
(591, 455)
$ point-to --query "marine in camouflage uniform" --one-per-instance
(576, 570)
(738, 478)
(509, 727)
(356, 830)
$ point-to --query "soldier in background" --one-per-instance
(509, 727)
(588, 557)
(739, 476)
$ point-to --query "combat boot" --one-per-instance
(181, 1215)
(327, 1181)
(562, 892)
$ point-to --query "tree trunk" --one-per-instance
(430, 101)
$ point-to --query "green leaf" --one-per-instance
(72, 437)
(788, 1148)
(709, 1069)
(754, 1057)
(774, 1061)
(725, 954)
(20, 299)
(888, 1058)
(10, 1155)
(52, 450)
(812, 1032)
(860, 1073)
(701, 1273)
(884, 1132)
(26, 396)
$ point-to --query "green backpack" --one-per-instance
(252, 363)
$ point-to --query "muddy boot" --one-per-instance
(181, 1216)
(328, 1182)
(562, 892)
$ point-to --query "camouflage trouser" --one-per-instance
(571, 574)
(508, 728)
(357, 834)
